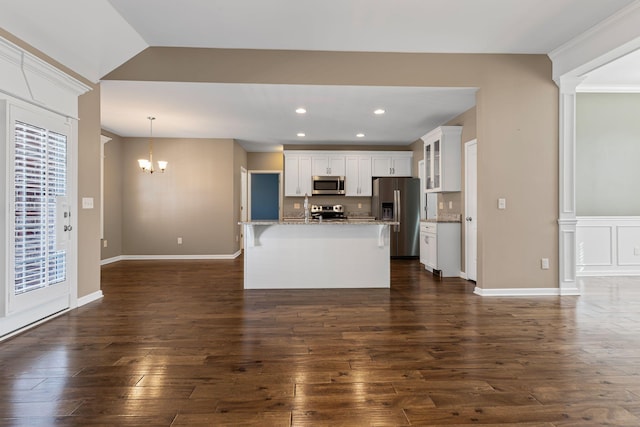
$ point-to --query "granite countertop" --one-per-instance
(444, 218)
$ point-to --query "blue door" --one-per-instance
(265, 196)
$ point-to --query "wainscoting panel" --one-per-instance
(608, 246)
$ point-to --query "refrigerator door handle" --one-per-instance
(396, 209)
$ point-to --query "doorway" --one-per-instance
(471, 209)
(265, 193)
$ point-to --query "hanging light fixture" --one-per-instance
(146, 165)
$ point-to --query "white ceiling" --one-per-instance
(94, 37)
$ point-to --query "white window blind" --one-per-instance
(40, 176)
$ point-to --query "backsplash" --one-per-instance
(353, 206)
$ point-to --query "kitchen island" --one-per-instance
(294, 254)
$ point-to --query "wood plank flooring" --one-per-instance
(182, 344)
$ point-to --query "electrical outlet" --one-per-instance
(359, 205)
(441, 205)
(104, 243)
(450, 205)
(237, 238)
(502, 203)
(636, 250)
(179, 240)
(296, 206)
(544, 263)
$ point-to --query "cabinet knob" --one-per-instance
(469, 218)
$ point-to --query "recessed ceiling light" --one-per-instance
(301, 110)
(301, 134)
(360, 135)
(379, 111)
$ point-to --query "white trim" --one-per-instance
(466, 224)
(176, 257)
(605, 42)
(111, 260)
(517, 292)
(167, 257)
(30, 79)
(607, 89)
(33, 325)
(90, 298)
(463, 275)
(103, 141)
(620, 240)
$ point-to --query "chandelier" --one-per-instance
(146, 165)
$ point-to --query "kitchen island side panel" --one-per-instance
(312, 256)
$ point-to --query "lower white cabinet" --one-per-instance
(440, 248)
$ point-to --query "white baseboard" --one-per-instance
(89, 298)
(463, 275)
(606, 273)
(111, 260)
(167, 257)
(517, 292)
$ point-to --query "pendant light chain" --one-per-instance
(146, 165)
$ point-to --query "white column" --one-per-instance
(567, 206)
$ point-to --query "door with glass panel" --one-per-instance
(40, 217)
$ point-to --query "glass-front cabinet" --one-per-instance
(442, 169)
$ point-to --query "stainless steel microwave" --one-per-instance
(328, 185)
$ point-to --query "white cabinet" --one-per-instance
(440, 248)
(396, 163)
(358, 176)
(328, 165)
(297, 175)
(442, 159)
(358, 167)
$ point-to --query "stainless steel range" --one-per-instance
(328, 212)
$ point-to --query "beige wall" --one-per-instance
(517, 130)
(112, 197)
(265, 161)
(194, 199)
(89, 144)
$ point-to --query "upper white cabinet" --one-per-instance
(395, 163)
(358, 167)
(442, 169)
(297, 175)
(328, 165)
(358, 176)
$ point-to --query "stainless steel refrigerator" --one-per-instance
(398, 199)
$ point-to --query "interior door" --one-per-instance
(471, 209)
(40, 222)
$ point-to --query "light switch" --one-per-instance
(450, 205)
(87, 203)
(296, 206)
(502, 203)
(441, 205)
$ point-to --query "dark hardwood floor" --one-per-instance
(182, 344)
